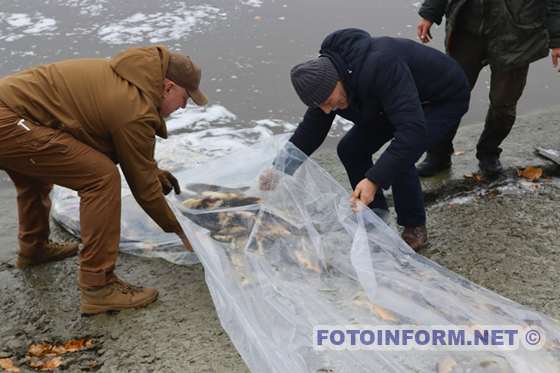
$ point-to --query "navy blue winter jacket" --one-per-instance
(387, 81)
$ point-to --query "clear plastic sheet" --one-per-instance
(299, 257)
(279, 263)
(140, 235)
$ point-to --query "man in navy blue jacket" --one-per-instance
(393, 90)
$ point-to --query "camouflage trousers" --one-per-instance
(506, 88)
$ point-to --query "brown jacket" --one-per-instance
(108, 104)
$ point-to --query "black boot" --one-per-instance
(433, 164)
(490, 166)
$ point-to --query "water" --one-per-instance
(246, 49)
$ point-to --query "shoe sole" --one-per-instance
(92, 309)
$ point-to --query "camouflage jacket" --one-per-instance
(521, 32)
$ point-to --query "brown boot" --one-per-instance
(115, 296)
(51, 252)
(416, 237)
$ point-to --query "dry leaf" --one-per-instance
(476, 177)
(48, 349)
(78, 345)
(8, 366)
(531, 173)
(45, 349)
(459, 152)
(49, 364)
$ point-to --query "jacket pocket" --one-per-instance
(526, 14)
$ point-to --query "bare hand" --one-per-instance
(423, 30)
(185, 240)
(364, 192)
(269, 179)
(555, 53)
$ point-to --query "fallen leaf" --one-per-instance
(476, 177)
(49, 349)
(45, 349)
(78, 345)
(49, 364)
(8, 366)
(531, 173)
(459, 152)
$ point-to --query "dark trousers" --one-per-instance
(356, 148)
(506, 87)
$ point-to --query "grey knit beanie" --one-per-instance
(314, 80)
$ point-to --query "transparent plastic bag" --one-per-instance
(281, 262)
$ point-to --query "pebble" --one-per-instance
(16, 345)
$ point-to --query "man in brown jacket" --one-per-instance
(69, 123)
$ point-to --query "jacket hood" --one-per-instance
(347, 49)
(146, 69)
(351, 42)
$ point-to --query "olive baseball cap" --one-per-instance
(187, 74)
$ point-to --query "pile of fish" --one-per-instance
(244, 227)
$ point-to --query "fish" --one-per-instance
(202, 203)
(200, 187)
(214, 200)
(306, 262)
(446, 365)
(382, 313)
(254, 230)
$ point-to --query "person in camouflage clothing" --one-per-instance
(507, 35)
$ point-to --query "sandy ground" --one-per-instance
(505, 240)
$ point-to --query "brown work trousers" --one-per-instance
(36, 157)
(506, 87)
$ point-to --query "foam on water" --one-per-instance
(276, 124)
(15, 26)
(194, 118)
(253, 3)
(160, 27)
(87, 7)
(200, 133)
(197, 134)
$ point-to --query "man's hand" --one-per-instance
(185, 240)
(168, 182)
(423, 30)
(364, 192)
(269, 179)
(555, 54)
